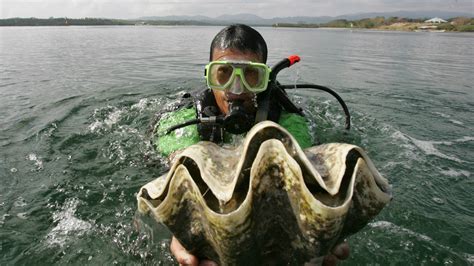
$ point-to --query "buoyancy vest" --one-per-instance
(201, 103)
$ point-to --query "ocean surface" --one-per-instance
(75, 111)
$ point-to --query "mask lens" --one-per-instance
(220, 74)
(254, 76)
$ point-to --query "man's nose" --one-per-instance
(237, 87)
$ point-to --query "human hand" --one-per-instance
(184, 257)
(339, 252)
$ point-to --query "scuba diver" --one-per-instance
(241, 91)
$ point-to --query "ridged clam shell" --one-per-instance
(266, 201)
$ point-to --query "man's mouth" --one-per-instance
(243, 97)
(248, 100)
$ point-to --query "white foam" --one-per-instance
(442, 114)
(95, 126)
(112, 118)
(19, 202)
(22, 215)
(172, 104)
(393, 228)
(469, 258)
(141, 105)
(456, 122)
(3, 218)
(398, 135)
(398, 229)
(465, 139)
(67, 225)
(428, 146)
(118, 151)
(403, 141)
(36, 159)
(454, 173)
(460, 140)
(50, 131)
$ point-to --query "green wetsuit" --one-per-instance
(189, 135)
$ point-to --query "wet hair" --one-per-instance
(242, 38)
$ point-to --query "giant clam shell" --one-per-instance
(266, 201)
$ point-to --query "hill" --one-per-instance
(256, 20)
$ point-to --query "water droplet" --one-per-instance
(38, 162)
(20, 202)
(22, 215)
(438, 200)
(448, 261)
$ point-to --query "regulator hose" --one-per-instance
(328, 90)
(187, 123)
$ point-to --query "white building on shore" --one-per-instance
(435, 20)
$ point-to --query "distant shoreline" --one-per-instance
(459, 24)
(31, 22)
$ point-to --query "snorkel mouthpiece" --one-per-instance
(238, 121)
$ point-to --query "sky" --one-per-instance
(129, 9)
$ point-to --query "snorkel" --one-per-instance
(238, 120)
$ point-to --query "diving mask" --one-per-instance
(237, 76)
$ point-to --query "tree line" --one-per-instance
(89, 22)
(62, 22)
(453, 24)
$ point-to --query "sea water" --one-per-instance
(75, 111)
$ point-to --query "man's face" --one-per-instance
(223, 97)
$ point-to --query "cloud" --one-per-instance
(214, 8)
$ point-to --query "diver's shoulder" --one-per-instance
(298, 126)
(167, 143)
